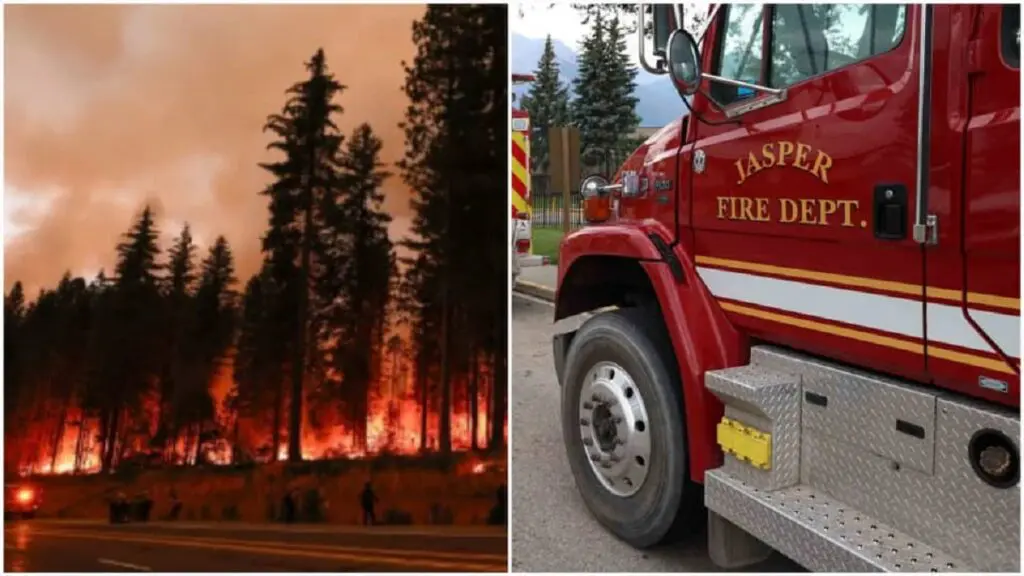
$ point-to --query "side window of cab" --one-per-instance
(804, 41)
(739, 51)
(1010, 35)
(808, 40)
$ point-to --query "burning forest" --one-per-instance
(345, 344)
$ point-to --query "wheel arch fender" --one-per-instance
(635, 273)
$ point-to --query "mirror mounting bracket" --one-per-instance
(742, 108)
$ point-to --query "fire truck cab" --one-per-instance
(803, 296)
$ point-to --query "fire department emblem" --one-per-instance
(698, 161)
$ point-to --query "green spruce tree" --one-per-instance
(620, 81)
(547, 102)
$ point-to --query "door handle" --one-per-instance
(891, 212)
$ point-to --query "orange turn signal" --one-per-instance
(597, 208)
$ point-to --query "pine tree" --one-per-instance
(455, 129)
(214, 327)
(259, 361)
(310, 141)
(14, 373)
(132, 340)
(179, 288)
(620, 81)
(591, 109)
(547, 102)
(353, 286)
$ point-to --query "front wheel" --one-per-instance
(623, 428)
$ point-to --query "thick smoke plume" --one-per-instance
(108, 107)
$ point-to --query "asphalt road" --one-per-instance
(85, 546)
(552, 531)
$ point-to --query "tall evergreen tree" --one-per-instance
(14, 352)
(179, 288)
(591, 110)
(259, 361)
(310, 141)
(353, 290)
(547, 102)
(214, 328)
(132, 338)
(455, 126)
(620, 80)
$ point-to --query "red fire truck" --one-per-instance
(804, 296)
(522, 205)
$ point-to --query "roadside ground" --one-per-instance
(545, 242)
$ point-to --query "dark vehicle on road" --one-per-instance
(21, 500)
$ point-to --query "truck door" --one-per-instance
(973, 269)
(802, 210)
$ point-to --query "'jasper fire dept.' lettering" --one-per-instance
(808, 211)
(813, 211)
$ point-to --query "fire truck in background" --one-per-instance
(803, 295)
(522, 249)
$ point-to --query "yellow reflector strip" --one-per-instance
(745, 443)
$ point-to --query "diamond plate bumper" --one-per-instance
(820, 533)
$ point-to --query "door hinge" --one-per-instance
(927, 233)
(974, 56)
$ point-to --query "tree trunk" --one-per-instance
(445, 425)
(199, 444)
(424, 377)
(499, 393)
(112, 423)
(234, 440)
(474, 400)
(275, 436)
(79, 442)
(58, 436)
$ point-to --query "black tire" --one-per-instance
(668, 505)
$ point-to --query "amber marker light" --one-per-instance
(597, 198)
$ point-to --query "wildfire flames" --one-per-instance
(393, 426)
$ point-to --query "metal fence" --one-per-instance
(548, 202)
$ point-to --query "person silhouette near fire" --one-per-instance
(368, 499)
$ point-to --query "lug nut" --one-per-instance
(584, 422)
(588, 441)
(588, 406)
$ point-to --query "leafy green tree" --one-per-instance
(547, 102)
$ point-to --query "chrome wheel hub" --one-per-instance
(614, 428)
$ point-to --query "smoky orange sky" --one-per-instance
(108, 107)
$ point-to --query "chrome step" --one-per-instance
(819, 532)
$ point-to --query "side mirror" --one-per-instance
(684, 62)
(661, 27)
